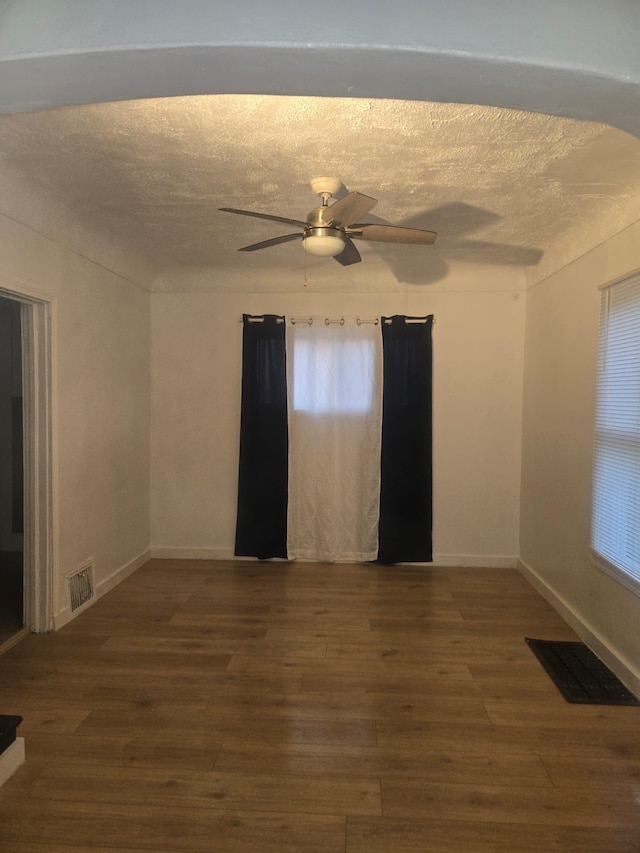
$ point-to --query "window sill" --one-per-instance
(615, 572)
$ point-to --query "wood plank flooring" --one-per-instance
(221, 707)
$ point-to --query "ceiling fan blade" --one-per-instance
(392, 234)
(264, 216)
(350, 208)
(274, 241)
(349, 255)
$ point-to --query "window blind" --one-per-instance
(616, 489)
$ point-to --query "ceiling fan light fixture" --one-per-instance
(324, 242)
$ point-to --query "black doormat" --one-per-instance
(579, 674)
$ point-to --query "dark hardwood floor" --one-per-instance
(205, 707)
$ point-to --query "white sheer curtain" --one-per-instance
(334, 379)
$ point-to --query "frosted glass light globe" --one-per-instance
(324, 245)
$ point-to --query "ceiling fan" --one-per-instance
(330, 230)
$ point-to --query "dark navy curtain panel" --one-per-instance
(261, 529)
(406, 454)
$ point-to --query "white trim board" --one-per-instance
(39, 331)
(102, 587)
(617, 663)
(11, 759)
(474, 561)
(165, 552)
(447, 560)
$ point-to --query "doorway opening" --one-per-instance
(11, 471)
(26, 464)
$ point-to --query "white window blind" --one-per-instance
(616, 490)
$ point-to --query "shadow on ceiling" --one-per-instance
(417, 265)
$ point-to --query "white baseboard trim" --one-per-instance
(626, 671)
(103, 586)
(472, 561)
(445, 560)
(11, 759)
(61, 618)
(123, 572)
(168, 553)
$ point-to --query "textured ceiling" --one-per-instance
(499, 186)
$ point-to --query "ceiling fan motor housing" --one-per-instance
(320, 217)
(321, 237)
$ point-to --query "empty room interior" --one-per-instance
(198, 700)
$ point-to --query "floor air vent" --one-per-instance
(81, 587)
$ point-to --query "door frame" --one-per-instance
(37, 315)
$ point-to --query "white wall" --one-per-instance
(558, 422)
(101, 408)
(196, 376)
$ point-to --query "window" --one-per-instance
(615, 537)
(335, 375)
(335, 424)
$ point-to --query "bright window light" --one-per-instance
(616, 482)
(331, 376)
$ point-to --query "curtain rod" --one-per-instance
(328, 321)
(409, 320)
